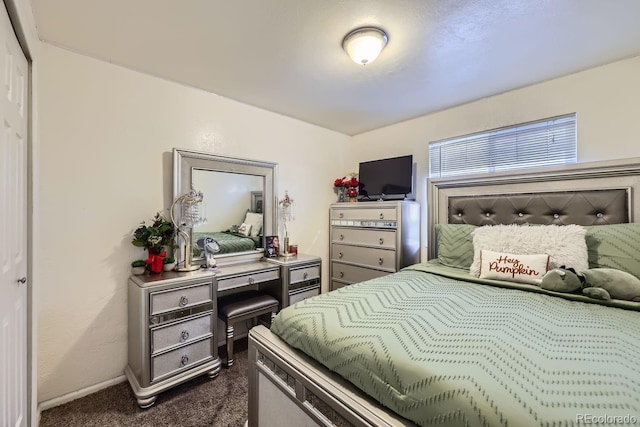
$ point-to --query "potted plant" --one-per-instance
(138, 267)
(155, 238)
(169, 263)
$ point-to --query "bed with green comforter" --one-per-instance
(439, 350)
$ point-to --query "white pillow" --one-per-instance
(565, 244)
(255, 220)
(245, 229)
(513, 268)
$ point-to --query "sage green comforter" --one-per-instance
(441, 351)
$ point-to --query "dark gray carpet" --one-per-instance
(199, 402)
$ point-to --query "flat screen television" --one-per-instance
(386, 179)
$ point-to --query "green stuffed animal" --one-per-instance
(608, 283)
(598, 283)
(561, 280)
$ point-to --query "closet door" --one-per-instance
(13, 227)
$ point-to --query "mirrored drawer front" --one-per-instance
(180, 359)
(248, 279)
(379, 238)
(368, 214)
(179, 298)
(354, 274)
(181, 333)
(303, 294)
(301, 274)
(382, 259)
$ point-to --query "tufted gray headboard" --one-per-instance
(587, 207)
(584, 194)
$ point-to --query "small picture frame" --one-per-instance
(271, 246)
(256, 201)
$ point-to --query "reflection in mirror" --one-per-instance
(236, 192)
(232, 221)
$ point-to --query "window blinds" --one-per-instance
(548, 142)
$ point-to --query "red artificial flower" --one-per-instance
(353, 182)
(339, 182)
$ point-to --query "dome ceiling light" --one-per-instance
(364, 44)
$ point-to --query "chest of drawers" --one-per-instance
(372, 239)
(172, 331)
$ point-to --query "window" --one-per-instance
(548, 142)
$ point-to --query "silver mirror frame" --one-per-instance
(185, 161)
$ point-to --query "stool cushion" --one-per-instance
(243, 303)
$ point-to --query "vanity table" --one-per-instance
(172, 331)
(173, 318)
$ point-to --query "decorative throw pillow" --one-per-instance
(565, 244)
(614, 246)
(245, 229)
(255, 220)
(455, 244)
(513, 268)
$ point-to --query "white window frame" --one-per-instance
(547, 142)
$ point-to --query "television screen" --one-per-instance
(386, 178)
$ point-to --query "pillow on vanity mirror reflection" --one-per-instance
(255, 221)
(245, 229)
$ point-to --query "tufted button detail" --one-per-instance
(520, 214)
(599, 214)
(459, 213)
(487, 214)
(556, 216)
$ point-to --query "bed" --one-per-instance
(434, 345)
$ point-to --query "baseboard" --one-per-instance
(57, 401)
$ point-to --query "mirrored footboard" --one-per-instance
(288, 388)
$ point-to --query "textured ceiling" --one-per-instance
(285, 55)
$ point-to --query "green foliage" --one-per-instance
(168, 260)
(154, 237)
(138, 263)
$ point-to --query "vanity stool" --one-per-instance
(243, 306)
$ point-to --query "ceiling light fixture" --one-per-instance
(364, 45)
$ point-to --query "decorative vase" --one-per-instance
(352, 193)
(155, 260)
(138, 270)
(169, 266)
(341, 194)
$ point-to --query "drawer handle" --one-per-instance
(341, 215)
(381, 215)
(380, 261)
(251, 280)
(340, 254)
(184, 335)
(381, 241)
(341, 237)
(184, 360)
(341, 274)
(305, 275)
(184, 301)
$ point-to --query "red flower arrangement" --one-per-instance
(346, 182)
(350, 183)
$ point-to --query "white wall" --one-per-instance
(106, 135)
(606, 100)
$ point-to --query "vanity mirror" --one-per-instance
(239, 198)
